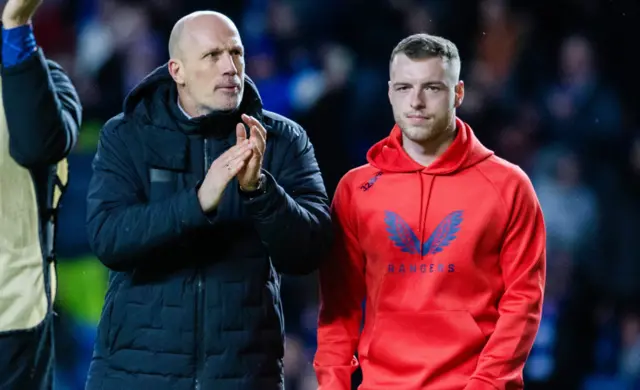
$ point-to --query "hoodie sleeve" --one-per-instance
(122, 226)
(342, 291)
(523, 262)
(43, 111)
(292, 215)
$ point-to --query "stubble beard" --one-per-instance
(431, 131)
(229, 102)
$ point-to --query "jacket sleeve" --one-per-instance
(523, 262)
(292, 216)
(124, 230)
(342, 291)
(43, 111)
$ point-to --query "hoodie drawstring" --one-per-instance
(424, 211)
(420, 220)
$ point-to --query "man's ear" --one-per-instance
(459, 94)
(176, 70)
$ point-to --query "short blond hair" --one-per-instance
(420, 46)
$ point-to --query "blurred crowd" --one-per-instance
(550, 86)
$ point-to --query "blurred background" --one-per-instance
(551, 86)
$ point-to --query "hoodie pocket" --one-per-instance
(425, 345)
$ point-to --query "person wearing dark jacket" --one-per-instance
(200, 199)
(40, 116)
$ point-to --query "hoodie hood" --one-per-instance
(465, 151)
(155, 98)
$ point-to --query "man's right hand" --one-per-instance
(222, 170)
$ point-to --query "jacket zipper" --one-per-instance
(199, 326)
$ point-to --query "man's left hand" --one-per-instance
(19, 12)
(249, 176)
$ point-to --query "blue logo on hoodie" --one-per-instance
(404, 238)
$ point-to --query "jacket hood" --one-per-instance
(465, 151)
(157, 90)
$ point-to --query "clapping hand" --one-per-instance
(249, 175)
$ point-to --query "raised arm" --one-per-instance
(41, 105)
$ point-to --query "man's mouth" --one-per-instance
(417, 118)
(229, 87)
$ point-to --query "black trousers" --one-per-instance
(27, 358)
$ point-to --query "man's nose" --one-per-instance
(227, 65)
(417, 100)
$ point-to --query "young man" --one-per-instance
(443, 240)
(197, 218)
(40, 116)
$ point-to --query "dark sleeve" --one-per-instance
(43, 111)
(124, 230)
(292, 217)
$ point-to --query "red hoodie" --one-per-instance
(450, 260)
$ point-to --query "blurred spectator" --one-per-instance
(271, 80)
(571, 215)
(580, 108)
(501, 38)
(327, 132)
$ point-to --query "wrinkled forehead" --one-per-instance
(205, 36)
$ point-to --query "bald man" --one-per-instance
(200, 199)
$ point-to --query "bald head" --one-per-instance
(207, 62)
(195, 23)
